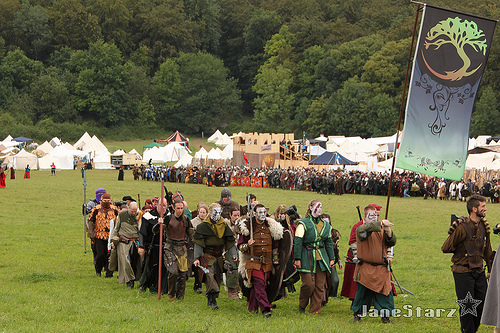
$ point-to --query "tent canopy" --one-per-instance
(153, 144)
(22, 139)
(331, 158)
(177, 137)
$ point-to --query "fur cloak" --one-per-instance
(276, 230)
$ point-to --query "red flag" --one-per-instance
(245, 157)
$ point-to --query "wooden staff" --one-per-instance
(160, 255)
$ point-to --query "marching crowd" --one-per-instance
(260, 253)
(407, 184)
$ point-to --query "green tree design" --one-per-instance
(458, 33)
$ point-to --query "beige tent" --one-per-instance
(23, 158)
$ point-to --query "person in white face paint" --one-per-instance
(371, 274)
(258, 256)
(211, 239)
(314, 256)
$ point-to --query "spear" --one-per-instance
(84, 211)
(160, 257)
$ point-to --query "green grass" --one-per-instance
(48, 284)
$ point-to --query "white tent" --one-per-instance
(103, 161)
(119, 152)
(174, 151)
(321, 138)
(383, 140)
(133, 151)
(7, 139)
(7, 142)
(201, 154)
(23, 158)
(346, 147)
(61, 151)
(227, 152)
(171, 152)
(365, 146)
(68, 146)
(317, 150)
(480, 161)
(55, 142)
(214, 154)
(84, 139)
(495, 165)
(154, 154)
(61, 163)
(357, 156)
(45, 147)
(94, 146)
(184, 161)
(224, 140)
(331, 146)
(215, 136)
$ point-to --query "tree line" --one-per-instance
(123, 68)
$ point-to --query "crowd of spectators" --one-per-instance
(406, 184)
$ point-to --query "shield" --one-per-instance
(284, 252)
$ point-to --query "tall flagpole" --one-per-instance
(401, 110)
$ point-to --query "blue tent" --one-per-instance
(331, 158)
(22, 139)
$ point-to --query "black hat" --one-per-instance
(127, 197)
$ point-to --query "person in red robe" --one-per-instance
(2, 178)
(12, 173)
(27, 172)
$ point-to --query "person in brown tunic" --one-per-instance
(179, 232)
(372, 274)
(469, 241)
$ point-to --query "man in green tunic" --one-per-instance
(314, 256)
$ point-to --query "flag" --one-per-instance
(449, 61)
(245, 157)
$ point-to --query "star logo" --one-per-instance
(468, 305)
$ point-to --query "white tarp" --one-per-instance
(184, 161)
(23, 158)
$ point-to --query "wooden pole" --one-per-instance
(160, 255)
(401, 112)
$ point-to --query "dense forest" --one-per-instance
(126, 69)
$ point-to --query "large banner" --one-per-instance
(449, 61)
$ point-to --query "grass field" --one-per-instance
(48, 283)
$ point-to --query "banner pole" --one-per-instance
(401, 111)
